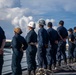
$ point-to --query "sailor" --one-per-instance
(42, 45)
(71, 39)
(75, 43)
(52, 48)
(31, 39)
(18, 46)
(2, 44)
(62, 31)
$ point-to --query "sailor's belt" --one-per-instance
(33, 43)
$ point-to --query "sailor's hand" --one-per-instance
(1, 51)
(56, 42)
(64, 39)
(46, 46)
(21, 49)
(37, 45)
(33, 43)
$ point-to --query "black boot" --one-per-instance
(72, 60)
(34, 73)
(54, 66)
(59, 63)
(49, 67)
(69, 61)
(65, 62)
(75, 60)
(29, 72)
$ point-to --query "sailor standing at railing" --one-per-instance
(75, 43)
(2, 43)
(63, 34)
(31, 39)
(53, 45)
(18, 46)
(42, 45)
(71, 39)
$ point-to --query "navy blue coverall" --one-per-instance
(2, 36)
(41, 53)
(75, 46)
(71, 39)
(52, 49)
(31, 50)
(62, 31)
(18, 43)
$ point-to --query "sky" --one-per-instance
(18, 13)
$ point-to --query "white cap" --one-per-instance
(31, 24)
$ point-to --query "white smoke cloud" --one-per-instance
(19, 17)
(15, 21)
(22, 22)
(12, 11)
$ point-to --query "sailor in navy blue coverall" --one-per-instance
(18, 45)
(53, 45)
(63, 33)
(42, 45)
(2, 43)
(71, 39)
(75, 44)
(31, 39)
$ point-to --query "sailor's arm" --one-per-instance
(2, 47)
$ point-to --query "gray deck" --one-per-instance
(69, 69)
(62, 73)
(68, 73)
(7, 65)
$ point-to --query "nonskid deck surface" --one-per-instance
(69, 69)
